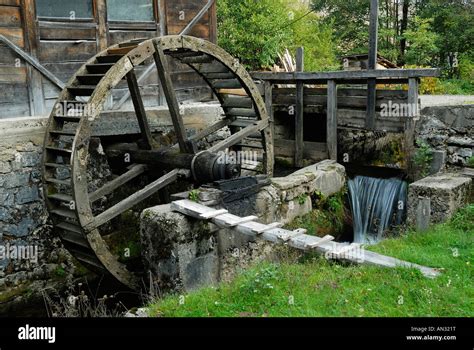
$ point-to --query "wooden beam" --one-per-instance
(171, 99)
(315, 77)
(140, 110)
(238, 136)
(101, 19)
(111, 186)
(413, 102)
(371, 104)
(34, 62)
(34, 80)
(270, 111)
(197, 18)
(163, 31)
(331, 136)
(134, 199)
(372, 64)
(299, 110)
(297, 239)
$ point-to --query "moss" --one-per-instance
(470, 162)
(13, 293)
(392, 154)
(283, 162)
(327, 217)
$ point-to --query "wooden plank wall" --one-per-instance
(14, 99)
(351, 113)
(62, 46)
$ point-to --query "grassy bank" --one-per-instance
(316, 287)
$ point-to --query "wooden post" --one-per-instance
(101, 18)
(34, 79)
(372, 64)
(413, 103)
(269, 108)
(299, 110)
(163, 32)
(331, 137)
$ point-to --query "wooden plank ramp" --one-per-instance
(297, 239)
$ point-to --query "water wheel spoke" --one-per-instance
(237, 137)
(140, 109)
(133, 172)
(171, 99)
(211, 129)
(136, 198)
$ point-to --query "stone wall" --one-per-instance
(449, 130)
(182, 253)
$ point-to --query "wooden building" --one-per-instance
(63, 34)
(361, 62)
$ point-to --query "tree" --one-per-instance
(422, 42)
(316, 38)
(453, 22)
(256, 31)
(252, 30)
(349, 20)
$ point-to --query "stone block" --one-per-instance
(4, 214)
(329, 177)
(21, 229)
(30, 159)
(447, 194)
(5, 167)
(439, 162)
(27, 195)
(7, 197)
(179, 252)
(13, 180)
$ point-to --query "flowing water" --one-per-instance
(377, 205)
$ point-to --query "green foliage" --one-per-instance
(349, 19)
(464, 219)
(257, 31)
(466, 67)
(423, 157)
(302, 198)
(422, 42)
(455, 87)
(470, 162)
(317, 40)
(327, 217)
(252, 30)
(319, 288)
(261, 281)
(194, 195)
(453, 22)
(59, 271)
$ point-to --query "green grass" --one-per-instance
(316, 287)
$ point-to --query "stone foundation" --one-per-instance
(436, 198)
(183, 253)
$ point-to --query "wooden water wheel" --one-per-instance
(66, 173)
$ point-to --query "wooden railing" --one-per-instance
(367, 99)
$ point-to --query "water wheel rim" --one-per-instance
(80, 143)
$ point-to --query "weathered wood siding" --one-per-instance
(62, 45)
(13, 73)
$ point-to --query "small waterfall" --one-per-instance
(376, 204)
